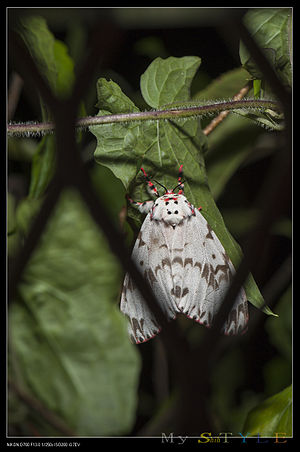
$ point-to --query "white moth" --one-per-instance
(185, 264)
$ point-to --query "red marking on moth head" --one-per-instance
(174, 198)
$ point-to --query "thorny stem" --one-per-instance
(32, 128)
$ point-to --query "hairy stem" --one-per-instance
(185, 111)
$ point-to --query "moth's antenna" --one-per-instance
(179, 185)
(160, 184)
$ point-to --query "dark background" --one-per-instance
(129, 61)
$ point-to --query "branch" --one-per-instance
(174, 112)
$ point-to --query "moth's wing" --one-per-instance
(151, 257)
(160, 266)
(207, 275)
(142, 325)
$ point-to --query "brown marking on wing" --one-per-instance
(209, 234)
(177, 259)
(188, 260)
(141, 241)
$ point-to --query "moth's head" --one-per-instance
(171, 208)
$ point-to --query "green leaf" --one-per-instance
(43, 165)
(26, 210)
(50, 55)
(268, 119)
(67, 333)
(167, 79)
(271, 416)
(162, 146)
(57, 67)
(272, 29)
(40, 43)
(119, 146)
(65, 70)
(225, 86)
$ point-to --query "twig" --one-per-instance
(221, 116)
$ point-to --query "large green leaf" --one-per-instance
(162, 146)
(50, 55)
(271, 416)
(168, 80)
(272, 29)
(40, 43)
(66, 331)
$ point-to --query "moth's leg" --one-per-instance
(143, 207)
